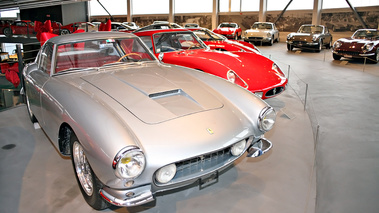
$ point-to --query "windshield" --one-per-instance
(231, 25)
(311, 29)
(207, 35)
(365, 34)
(96, 53)
(263, 26)
(168, 42)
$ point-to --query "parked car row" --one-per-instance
(162, 107)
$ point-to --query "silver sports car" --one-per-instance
(134, 126)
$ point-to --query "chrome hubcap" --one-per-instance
(82, 168)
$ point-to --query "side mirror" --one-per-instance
(160, 56)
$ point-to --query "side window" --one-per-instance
(45, 58)
(147, 41)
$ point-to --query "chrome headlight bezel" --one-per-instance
(315, 38)
(129, 163)
(367, 47)
(231, 76)
(337, 44)
(266, 119)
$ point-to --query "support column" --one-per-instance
(129, 8)
(171, 11)
(215, 12)
(317, 8)
(262, 10)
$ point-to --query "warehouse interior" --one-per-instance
(326, 147)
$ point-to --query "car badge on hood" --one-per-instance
(210, 131)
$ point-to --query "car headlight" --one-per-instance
(276, 68)
(129, 163)
(337, 45)
(266, 119)
(166, 173)
(289, 36)
(269, 35)
(238, 148)
(231, 76)
(315, 38)
(368, 47)
(259, 94)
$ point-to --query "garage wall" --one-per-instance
(77, 12)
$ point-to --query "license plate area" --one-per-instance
(208, 180)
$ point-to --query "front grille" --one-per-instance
(348, 52)
(274, 91)
(299, 42)
(255, 37)
(200, 165)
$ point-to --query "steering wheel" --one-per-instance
(193, 45)
(126, 55)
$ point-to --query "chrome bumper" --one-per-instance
(135, 197)
(259, 148)
(142, 195)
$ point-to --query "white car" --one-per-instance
(264, 32)
(132, 25)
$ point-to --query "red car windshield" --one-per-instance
(228, 25)
(176, 41)
(96, 53)
(207, 35)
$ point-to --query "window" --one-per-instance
(279, 5)
(45, 58)
(193, 6)
(114, 7)
(354, 3)
(150, 6)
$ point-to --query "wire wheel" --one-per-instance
(82, 168)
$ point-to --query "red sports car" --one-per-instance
(182, 47)
(219, 42)
(363, 44)
(229, 30)
(19, 27)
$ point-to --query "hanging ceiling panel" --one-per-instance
(27, 4)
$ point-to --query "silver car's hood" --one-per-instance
(156, 94)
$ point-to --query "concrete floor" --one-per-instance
(340, 123)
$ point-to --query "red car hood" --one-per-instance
(225, 30)
(256, 70)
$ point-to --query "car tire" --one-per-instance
(329, 45)
(375, 58)
(8, 32)
(319, 46)
(289, 47)
(336, 57)
(65, 32)
(32, 118)
(88, 182)
(271, 41)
